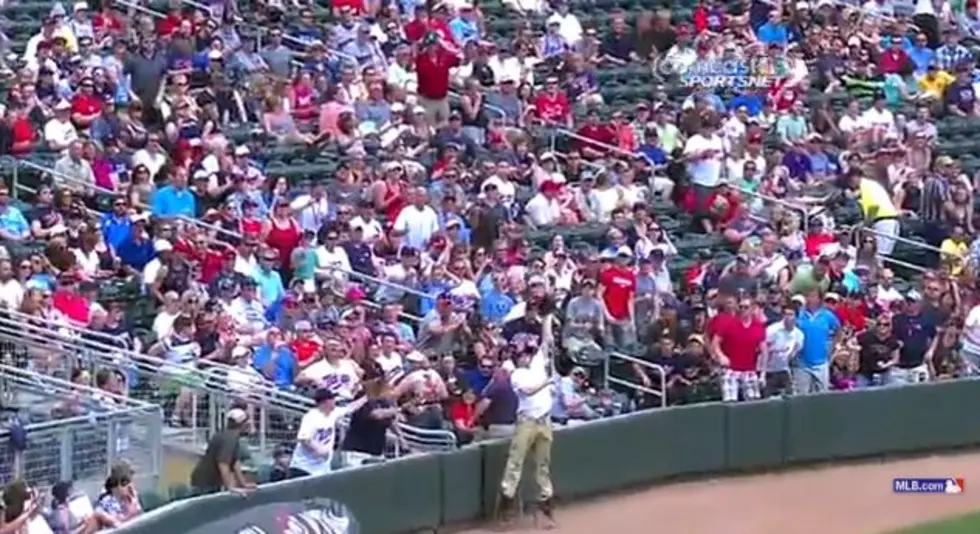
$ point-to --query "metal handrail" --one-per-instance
(24, 376)
(907, 241)
(15, 163)
(659, 369)
(198, 5)
(784, 203)
(558, 128)
(377, 280)
(902, 263)
(25, 328)
(301, 42)
(142, 9)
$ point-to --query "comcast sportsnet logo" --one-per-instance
(737, 73)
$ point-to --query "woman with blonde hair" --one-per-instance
(279, 123)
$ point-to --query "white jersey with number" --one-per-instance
(340, 377)
(321, 429)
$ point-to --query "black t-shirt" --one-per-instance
(619, 46)
(208, 340)
(916, 333)
(488, 226)
(367, 434)
(222, 449)
(662, 40)
(875, 350)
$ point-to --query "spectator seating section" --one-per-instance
(621, 87)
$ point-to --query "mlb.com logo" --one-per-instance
(948, 486)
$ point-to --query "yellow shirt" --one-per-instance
(954, 253)
(875, 198)
(936, 85)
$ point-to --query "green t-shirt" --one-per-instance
(304, 263)
(804, 282)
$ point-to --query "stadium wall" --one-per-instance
(430, 491)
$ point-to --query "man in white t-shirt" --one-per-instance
(543, 208)
(11, 290)
(59, 132)
(418, 220)
(887, 295)
(784, 341)
(534, 386)
(704, 153)
(879, 118)
(317, 434)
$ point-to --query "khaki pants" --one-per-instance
(436, 111)
(529, 434)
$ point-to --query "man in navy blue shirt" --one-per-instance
(359, 253)
(137, 249)
(915, 330)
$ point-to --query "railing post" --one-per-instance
(263, 428)
(112, 443)
(154, 437)
(15, 185)
(67, 466)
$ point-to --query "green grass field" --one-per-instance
(965, 524)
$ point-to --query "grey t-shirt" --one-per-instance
(147, 74)
(278, 58)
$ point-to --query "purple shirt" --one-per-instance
(798, 164)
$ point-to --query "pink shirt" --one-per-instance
(329, 114)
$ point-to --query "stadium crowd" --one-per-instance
(382, 204)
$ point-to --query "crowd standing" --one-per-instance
(381, 204)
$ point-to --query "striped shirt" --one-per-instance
(180, 351)
(935, 193)
(949, 57)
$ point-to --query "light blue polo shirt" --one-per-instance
(169, 201)
(818, 329)
(270, 286)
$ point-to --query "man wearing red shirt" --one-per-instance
(306, 346)
(817, 238)
(356, 6)
(552, 104)
(894, 60)
(432, 67)
(617, 288)
(23, 133)
(439, 23)
(851, 311)
(737, 341)
(419, 26)
(107, 21)
(69, 301)
(171, 22)
(594, 137)
(85, 105)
